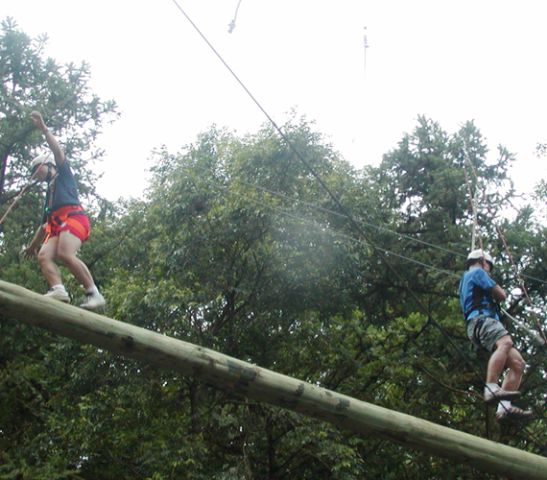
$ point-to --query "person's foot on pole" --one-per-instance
(94, 300)
(58, 292)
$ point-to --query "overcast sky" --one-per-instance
(450, 60)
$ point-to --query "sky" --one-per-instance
(450, 60)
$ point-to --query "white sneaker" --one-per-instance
(513, 413)
(93, 301)
(58, 294)
(494, 395)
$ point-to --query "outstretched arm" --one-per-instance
(54, 146)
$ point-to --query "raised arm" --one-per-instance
(54, 146)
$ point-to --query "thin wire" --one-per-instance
(378, 227)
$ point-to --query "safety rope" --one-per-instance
(18, 197)
(30, 183)
(472, 200)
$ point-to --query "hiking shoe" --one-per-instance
(513, 413)
(93, 301)
(491, 396)
(58, 294)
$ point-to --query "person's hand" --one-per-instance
(28, 251)
(38, 121)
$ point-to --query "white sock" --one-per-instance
(504, 405)
(92, 290)
(59, 286)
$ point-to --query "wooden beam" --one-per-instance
(265, 385)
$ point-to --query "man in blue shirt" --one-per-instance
(479, 295)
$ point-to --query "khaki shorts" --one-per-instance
(486, 335)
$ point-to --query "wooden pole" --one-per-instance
(265, 385)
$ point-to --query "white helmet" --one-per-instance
(43, 159)
(478, 254)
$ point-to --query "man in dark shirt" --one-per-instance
(478, 296)
(65, 226)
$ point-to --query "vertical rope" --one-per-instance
(472, 202)
(520, 281)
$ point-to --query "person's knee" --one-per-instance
(68, 258)
(504, 344)
(44, 257)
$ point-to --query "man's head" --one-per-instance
(43, 167)
(480, 257)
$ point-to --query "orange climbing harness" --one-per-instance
(71, 218)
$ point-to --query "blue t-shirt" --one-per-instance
(475, 296)
(62, 191)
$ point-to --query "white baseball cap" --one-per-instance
(478, 254)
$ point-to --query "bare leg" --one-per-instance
(506, 411)
(46, 258)
(67, 247)
(516, 364)
(498, 359)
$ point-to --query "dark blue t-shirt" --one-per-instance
(475, 296)
(62, 191)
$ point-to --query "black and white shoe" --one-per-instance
(513, 413)
(93, 301)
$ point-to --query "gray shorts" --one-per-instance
(486, 335)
